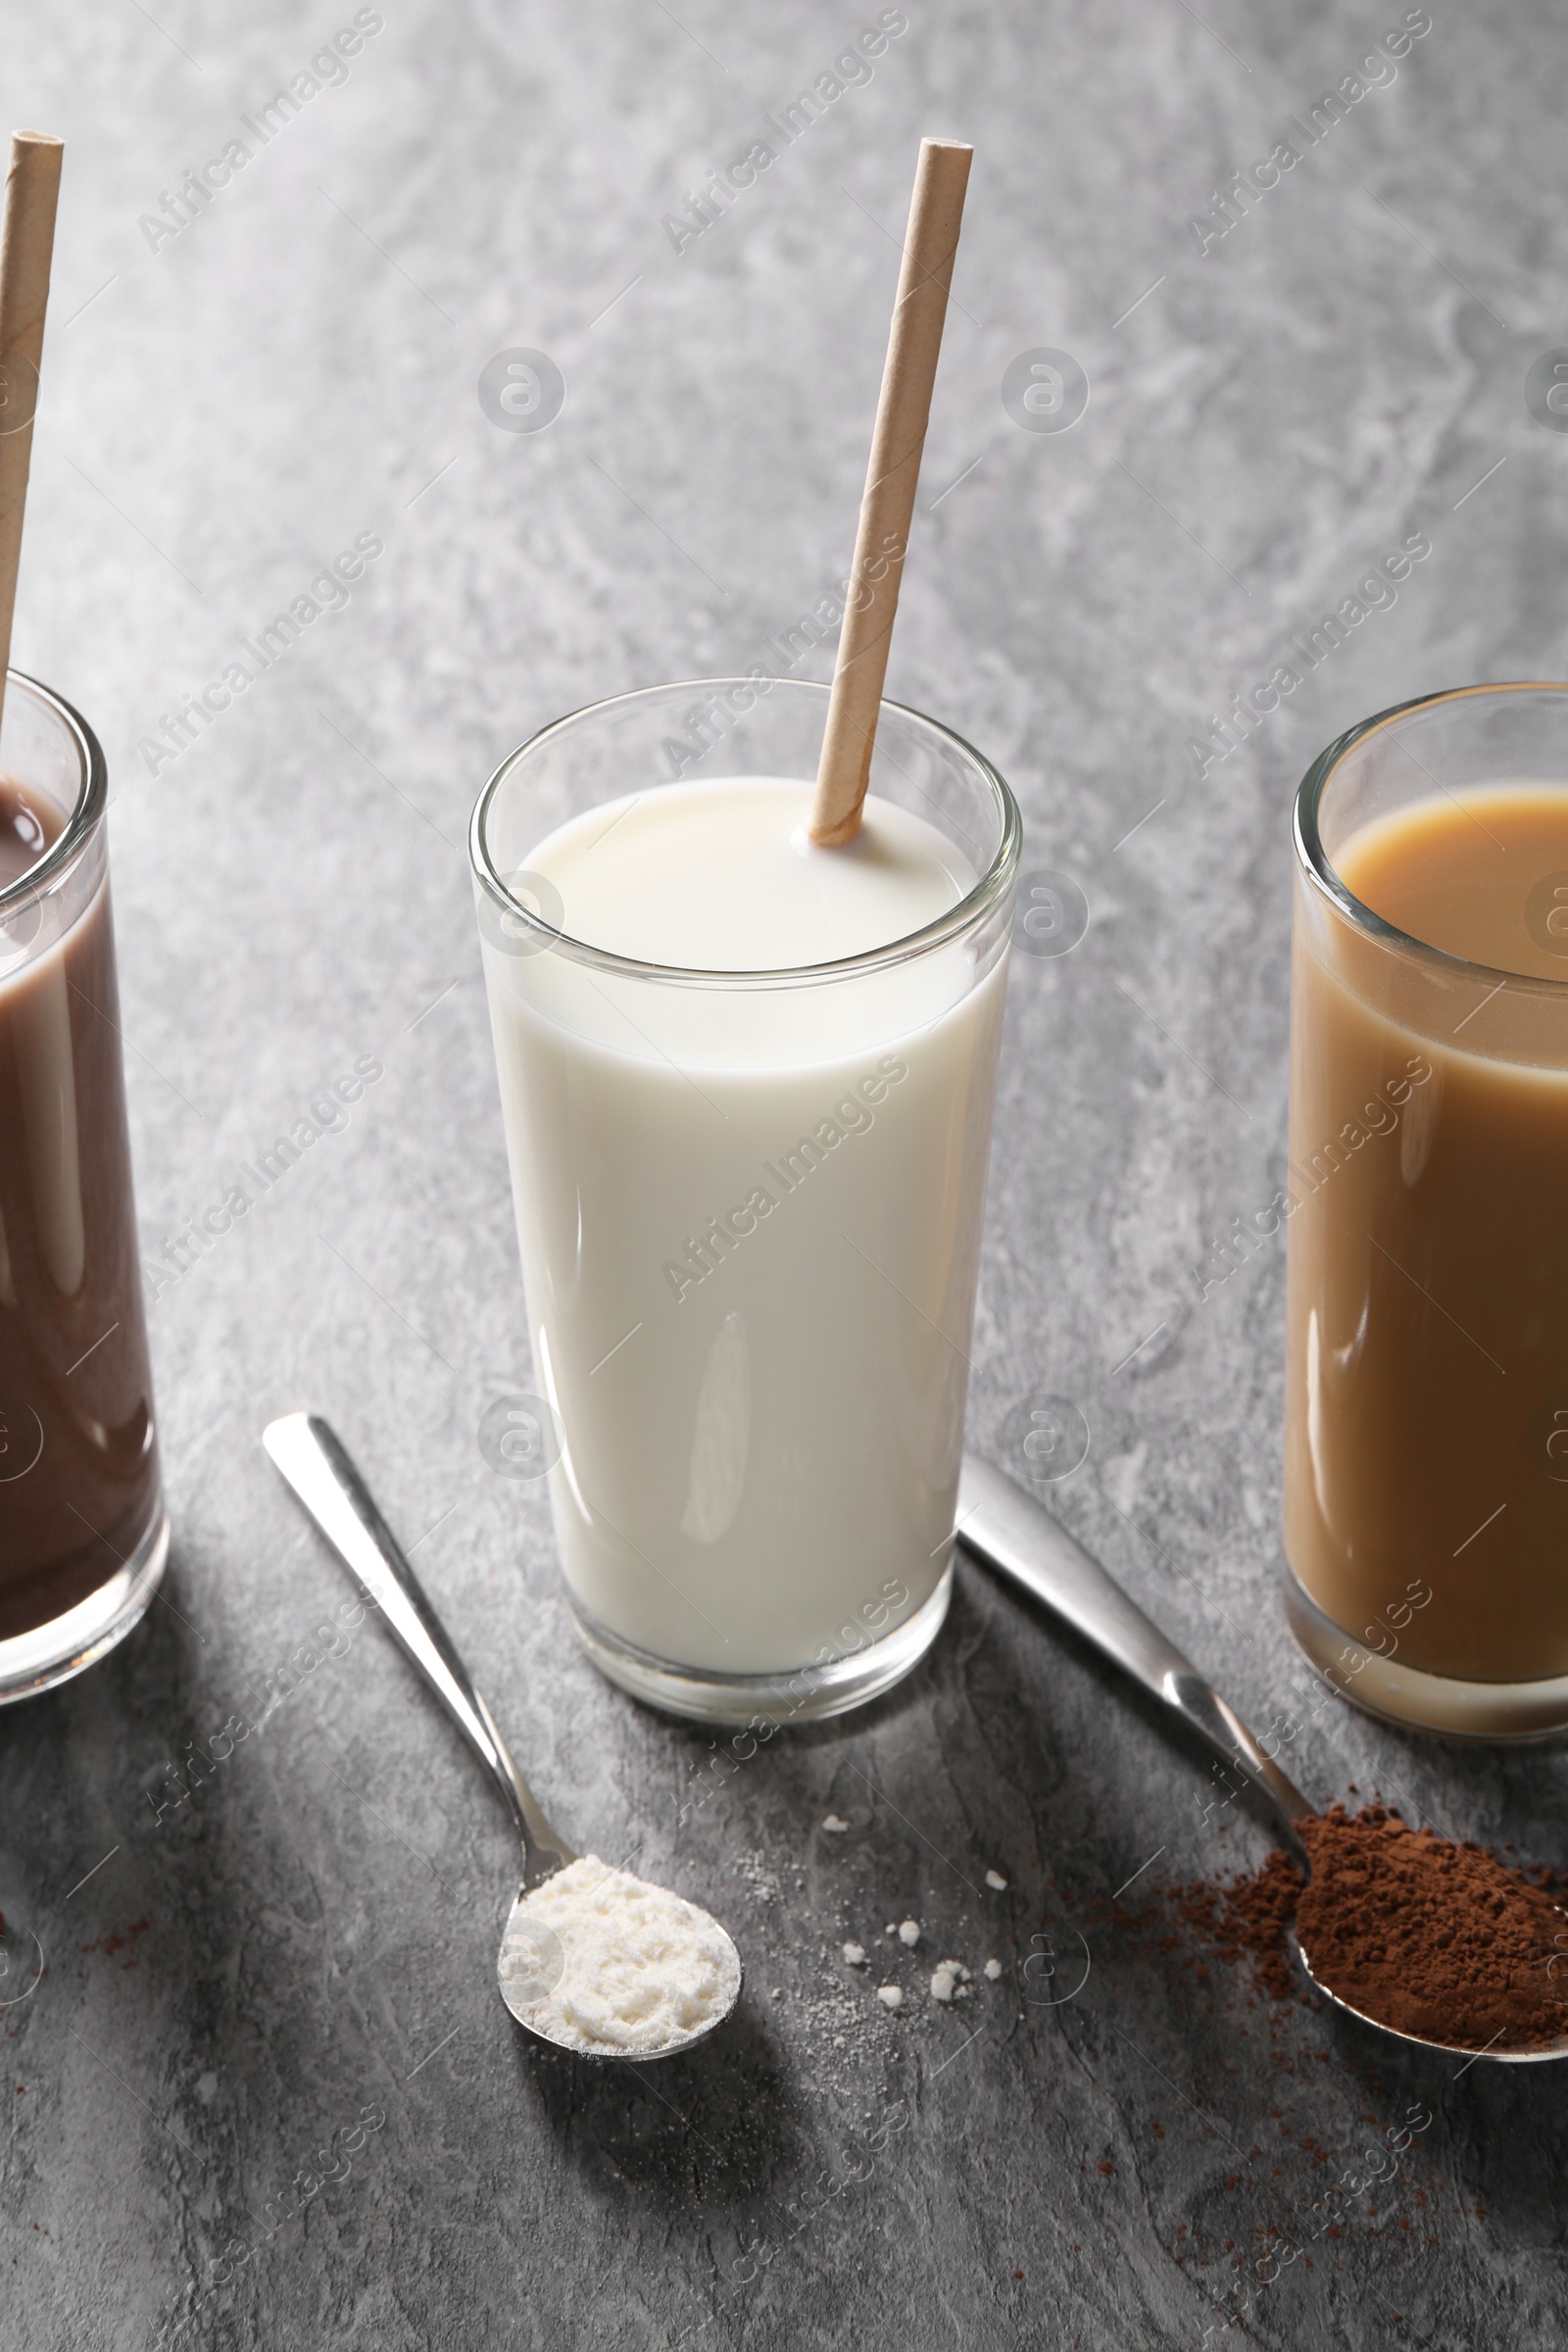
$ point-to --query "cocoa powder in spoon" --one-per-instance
(1424, 1934)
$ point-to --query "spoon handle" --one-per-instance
(1007, 1529)
(308, 1453)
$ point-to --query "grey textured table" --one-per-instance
(299, 1954)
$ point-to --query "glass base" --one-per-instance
(1413, 1700)
(67, 1644)
(799, 1694)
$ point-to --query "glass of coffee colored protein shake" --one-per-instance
(82, 1530)
(1426, 1442)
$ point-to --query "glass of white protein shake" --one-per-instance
(747, 1085)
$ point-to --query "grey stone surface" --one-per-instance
(298, 364)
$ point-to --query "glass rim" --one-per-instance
(91, 798)
(969, 910)
(1315, 864)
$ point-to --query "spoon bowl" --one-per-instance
(1020, 1541)
(536, 1959)
(535, 1962)
(1421, 2041)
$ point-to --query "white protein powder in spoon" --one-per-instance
(623, 1967)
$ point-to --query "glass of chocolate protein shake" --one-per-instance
(83, 1533)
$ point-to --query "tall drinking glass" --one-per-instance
(749, 1204)
(83, 1533)
(1426, 1443)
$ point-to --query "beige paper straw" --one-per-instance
(26, 247)
(898, 440)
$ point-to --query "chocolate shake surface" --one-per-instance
(78, 1459)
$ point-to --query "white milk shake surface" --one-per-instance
(721, 877)
(749, 1218)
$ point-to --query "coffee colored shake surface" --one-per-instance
(1483, 875)
(78, 1462)
(1426, 1486)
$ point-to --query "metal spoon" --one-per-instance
(531, 1961)
(1010, 1532)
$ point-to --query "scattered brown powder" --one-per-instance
(117, 1940)
(1249, 1915)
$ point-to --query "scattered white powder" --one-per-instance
(949, 1979)
(909, 1932)
(891, 1996)
(598, 1960)
(832, 1822)
(994, 1877)
(993, 1970)
(762, 1883)
(855, 1954)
